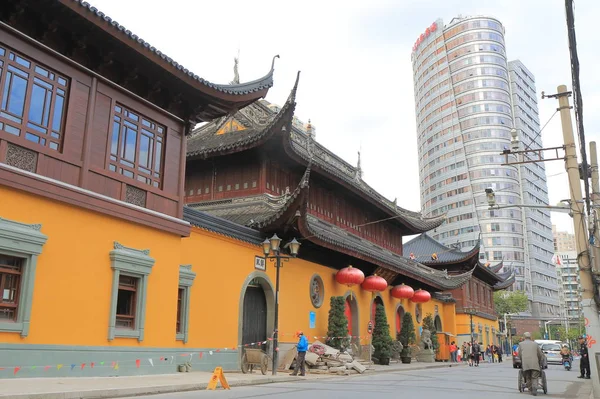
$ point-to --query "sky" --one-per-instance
(356, 81)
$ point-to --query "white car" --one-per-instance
(552, 352)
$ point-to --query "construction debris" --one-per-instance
(324, 359)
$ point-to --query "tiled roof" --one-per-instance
(310, 151)
(423, 247)
(238, 89)
(221, 226)
(320, 230)
(258, 123)
(254, 211)
(508, 279)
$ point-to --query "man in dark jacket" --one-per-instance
(584, 363)
(302, 347)
(476, 353)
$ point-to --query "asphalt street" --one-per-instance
(488, 381)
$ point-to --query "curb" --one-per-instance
(162, 389)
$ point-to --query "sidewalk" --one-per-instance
(112, 387)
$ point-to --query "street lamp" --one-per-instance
(491, 199)
(273, 245)
(471, 312)
(546, 327)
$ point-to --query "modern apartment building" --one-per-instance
(468, 99)
(563, 241)
(567, 270)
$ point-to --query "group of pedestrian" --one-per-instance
(493, 353)
(472, 353)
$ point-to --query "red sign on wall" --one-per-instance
(425, 35)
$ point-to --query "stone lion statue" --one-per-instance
(426, 340)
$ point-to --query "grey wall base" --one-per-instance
(33, 359)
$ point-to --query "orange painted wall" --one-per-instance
(72, 292)
(463, 328)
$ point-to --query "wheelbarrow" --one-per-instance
(252, 358)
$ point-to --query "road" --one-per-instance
(488, 381)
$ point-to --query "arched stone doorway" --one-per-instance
(351, 311)
(399, 316)
(257, 309)
(437, 322)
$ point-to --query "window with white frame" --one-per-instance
(131, 268)
(20, 245)
(186, 279)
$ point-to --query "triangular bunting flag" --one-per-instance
(73, 366)
(82, 366)
(59, 366)
(16, 370)
(200, 355)
(151, 362)
(92, 364)
(47, 368)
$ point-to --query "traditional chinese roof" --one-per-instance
(305, 149)
(76, 25)
(221, 226)
(423, 247)
(507, 279)
(330, 236)
(247, 128)
(258, 210)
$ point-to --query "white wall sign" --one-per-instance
(260, 263)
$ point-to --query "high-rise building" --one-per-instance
(567, 270)
(468, 99)
(563, 240)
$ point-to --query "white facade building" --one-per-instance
(567, 270)
(465, 96)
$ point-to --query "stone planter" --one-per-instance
(405, 359)
(385, 361)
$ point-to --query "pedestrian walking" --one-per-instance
(469, 354)
(453, 354)
(476, 353)
(499, 354)
(584, 362)
(301, 347)
(488, 353)
(532, 359)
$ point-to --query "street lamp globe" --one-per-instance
(266, 244)
(275, 242)
(294, 247)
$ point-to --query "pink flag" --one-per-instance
(137, 363)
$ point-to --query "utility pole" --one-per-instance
(594, 225)
(590, 311)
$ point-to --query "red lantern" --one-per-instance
(403, 291)
(374, 283)
(350, 276)
(421, 296)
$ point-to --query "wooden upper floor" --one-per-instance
(92, 115)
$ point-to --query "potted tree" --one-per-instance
(382, 341)
(407, 337)
(337, 324)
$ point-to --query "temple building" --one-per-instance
(256, 169)
(474, 299)
(131, 242)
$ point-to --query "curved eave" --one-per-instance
(468, 257)
(496, 268)
(412, 221)
(436, 279)
(221, 226)
(282, 121)
(233, 94)
(487, 276)
(296, 200)
(504, 284)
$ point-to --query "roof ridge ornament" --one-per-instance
(358, 168)
(236, 75)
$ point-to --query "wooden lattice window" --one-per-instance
(11, 269)
(136, 147)
(33, 100)
(126, 302)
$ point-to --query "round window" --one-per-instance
(317, 291)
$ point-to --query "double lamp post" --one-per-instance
(272, 251)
